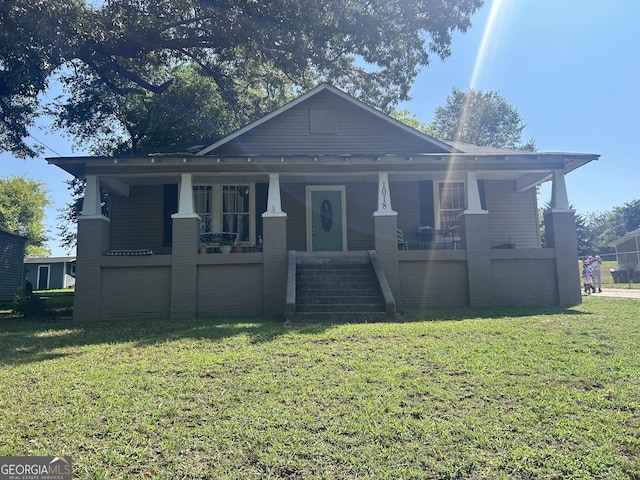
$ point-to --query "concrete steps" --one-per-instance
(338, 288)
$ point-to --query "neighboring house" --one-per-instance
(50, 273)
(11, 257)
(628, 257)
(324, 178)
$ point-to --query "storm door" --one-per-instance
(326, 218)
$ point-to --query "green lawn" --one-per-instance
(465, 393)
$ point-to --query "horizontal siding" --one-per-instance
(136, 292)
(361, 199)
(433, 284)
(405, 199)
(358, 132)
(137, 220)
(229, 290)
(521, 281)
(11, 265)
(513, 216)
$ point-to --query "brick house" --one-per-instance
(324, 179)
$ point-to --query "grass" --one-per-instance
(464, 393)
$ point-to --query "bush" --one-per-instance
(29, 306)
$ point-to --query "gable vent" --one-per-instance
(322, 121)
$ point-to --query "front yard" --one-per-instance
(465, 393)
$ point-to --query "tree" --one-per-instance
(372, 50)
(110, 123)
(22, 204)
(605, 227)
(480, 118)
(408, 118)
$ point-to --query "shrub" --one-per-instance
(29, 305)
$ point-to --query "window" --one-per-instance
(225, 208)
(235, 210)
(203, 206)
(451, 203)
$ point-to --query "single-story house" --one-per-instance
(628, 257)
(330, 183)
(11, 256)
(49, 273)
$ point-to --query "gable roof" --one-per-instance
(325, 87)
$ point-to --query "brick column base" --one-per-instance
(475, 235)
(385, 229)
(184, 271)
(274, 264)
(560, 234)
(93, 243)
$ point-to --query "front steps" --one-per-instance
(339, 286)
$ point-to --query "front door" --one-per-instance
(326, 218)
(43, 277)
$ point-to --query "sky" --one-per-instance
(570, 67)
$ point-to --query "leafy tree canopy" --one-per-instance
(480, 118)
(22, 204)
(606, 227)
(249, 49)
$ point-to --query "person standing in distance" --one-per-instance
(594, 262)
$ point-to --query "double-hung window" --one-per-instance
(225, 208)
(235, 211)
(203, 206)
(450, 203)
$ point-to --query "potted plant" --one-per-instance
(226, 242)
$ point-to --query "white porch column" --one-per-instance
(384, 196)
(185, 200)
(473, 194)
(559, 198)
(91, 204)
(274, 204)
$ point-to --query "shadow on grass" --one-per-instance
(24, 340)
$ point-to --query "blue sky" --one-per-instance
(570, 67)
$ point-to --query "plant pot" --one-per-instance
(237, 248)
(203, 249)
(225, 248)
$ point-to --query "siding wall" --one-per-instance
(513, 215)
(405, 199)
(137, 220)
(358, 132)
(229, 290)
(136, 292)
(11, 265)
(426, 282)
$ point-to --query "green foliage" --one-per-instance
(606, 227)
(22, 204)
(405, 116)
(68, 217)
(449, 393)
(479, 118)
(29, 305)
(249, 49)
